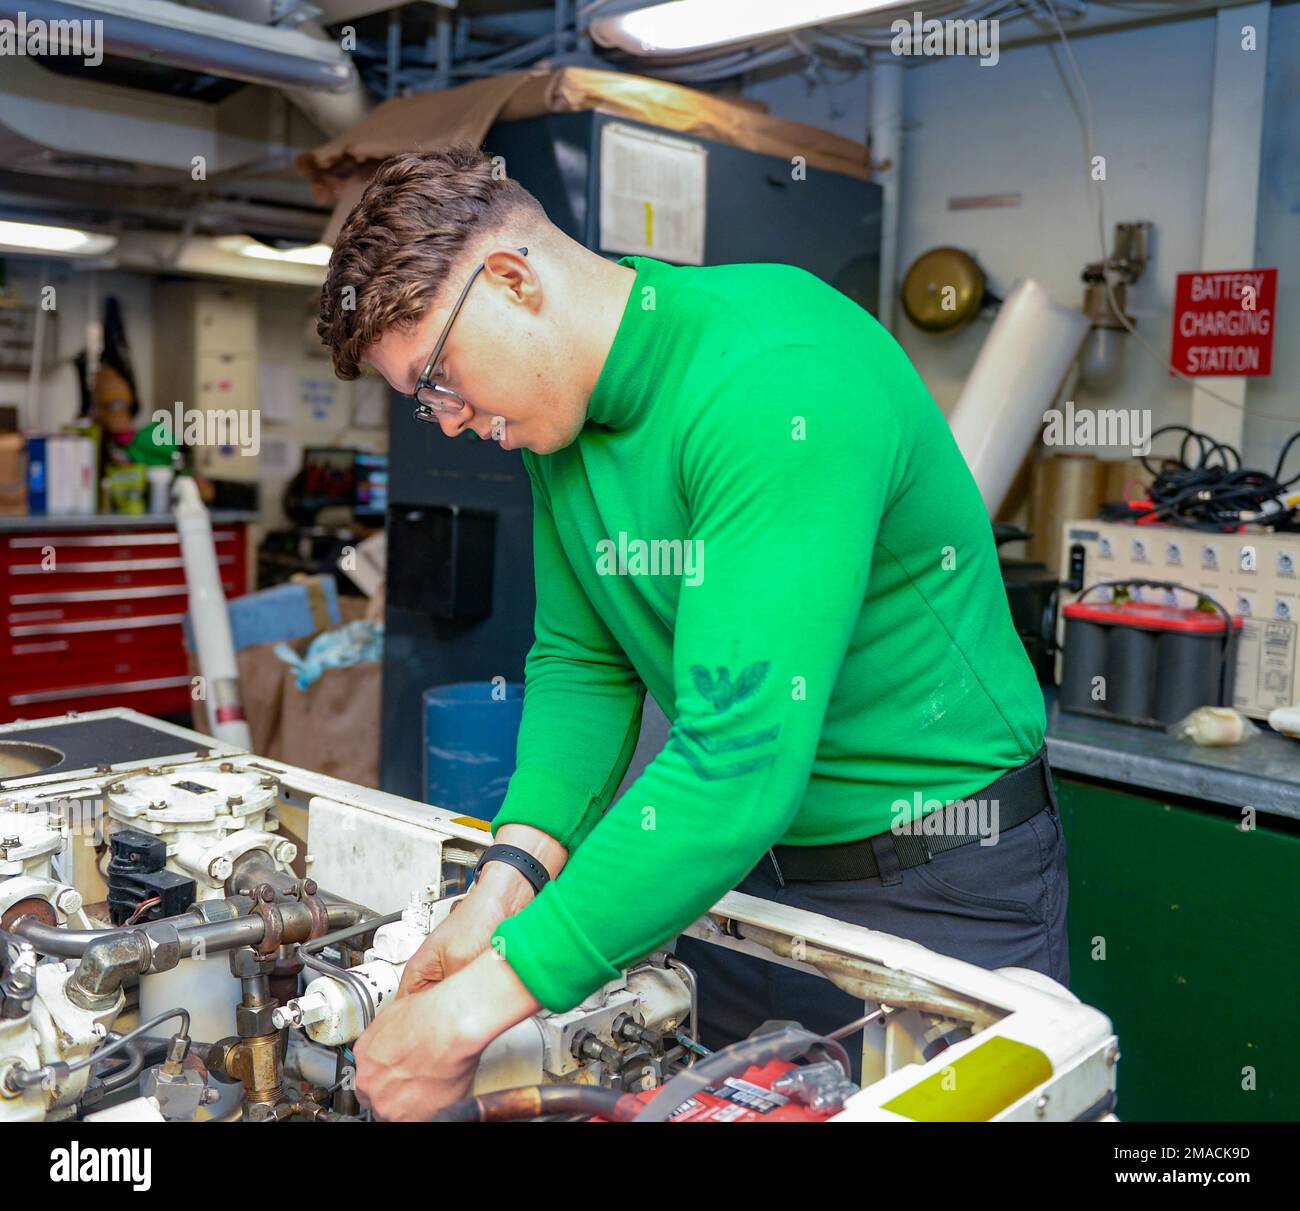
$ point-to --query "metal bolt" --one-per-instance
(235, 801)
(1040, 1107)
(69, 901)
(227, 767)
(221, 867)
(1113, 1056)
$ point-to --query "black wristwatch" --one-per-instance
(520, 859)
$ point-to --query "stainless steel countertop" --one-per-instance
(1263, 773)
(109, 521)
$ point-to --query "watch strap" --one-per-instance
(520, 859)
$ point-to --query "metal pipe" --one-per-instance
(19, 1077)
(74, 943)
(203, 42)
(885, 140)
(350, 931)
(126, 1075)
(336, 110)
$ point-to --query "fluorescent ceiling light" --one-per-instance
(61, 241)
(688, 25)
(307, 254)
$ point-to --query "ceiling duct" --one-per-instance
(197, 41)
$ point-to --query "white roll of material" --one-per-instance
(212, 635)
(1013, 382)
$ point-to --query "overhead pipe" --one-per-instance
(199, 41)
(885, 141)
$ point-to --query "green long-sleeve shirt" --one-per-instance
(766, 523)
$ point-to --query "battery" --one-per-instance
(1145, 663)
(748, 1098)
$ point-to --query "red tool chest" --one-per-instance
(93, 616)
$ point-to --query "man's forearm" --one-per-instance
(503, 882)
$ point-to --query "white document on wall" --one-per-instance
(370, 402)
(279, 392)
(652, 194)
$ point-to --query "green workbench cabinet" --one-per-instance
(1183, 929)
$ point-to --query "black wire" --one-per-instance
(1205, 487)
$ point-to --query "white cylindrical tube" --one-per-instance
(330, 1010)
(212, 637)
(1013, 382)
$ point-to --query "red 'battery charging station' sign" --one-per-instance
(1223, 322)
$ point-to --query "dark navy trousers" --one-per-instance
(999, 905)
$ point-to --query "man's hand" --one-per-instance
(457, 942)
(499, 892)
(421, 1053)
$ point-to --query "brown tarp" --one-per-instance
(340, 168)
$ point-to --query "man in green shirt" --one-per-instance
(746, 504)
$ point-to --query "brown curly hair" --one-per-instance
(396, 248)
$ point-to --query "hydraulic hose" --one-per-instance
(534, 1101)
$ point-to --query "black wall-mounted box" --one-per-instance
(445, 567)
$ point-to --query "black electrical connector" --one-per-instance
(137, 873)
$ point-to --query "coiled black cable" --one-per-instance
(1205, 487)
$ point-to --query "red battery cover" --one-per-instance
(1148, 616)
(744, 1099)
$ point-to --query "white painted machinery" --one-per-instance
(190, 931)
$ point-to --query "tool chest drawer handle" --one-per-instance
(33, 649)
(111, 565)
(150, 538)
(84, 595)
(97, 624)
(86, 691)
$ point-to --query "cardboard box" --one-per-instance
(13, 475)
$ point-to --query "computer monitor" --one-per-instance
(328, 478)
(370, 499)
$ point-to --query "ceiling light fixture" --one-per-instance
(689, 25)
(36, 239)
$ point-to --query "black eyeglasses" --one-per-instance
(432, 398)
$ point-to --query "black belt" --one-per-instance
(1021, 794)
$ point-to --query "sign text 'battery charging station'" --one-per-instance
(1223, 322)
